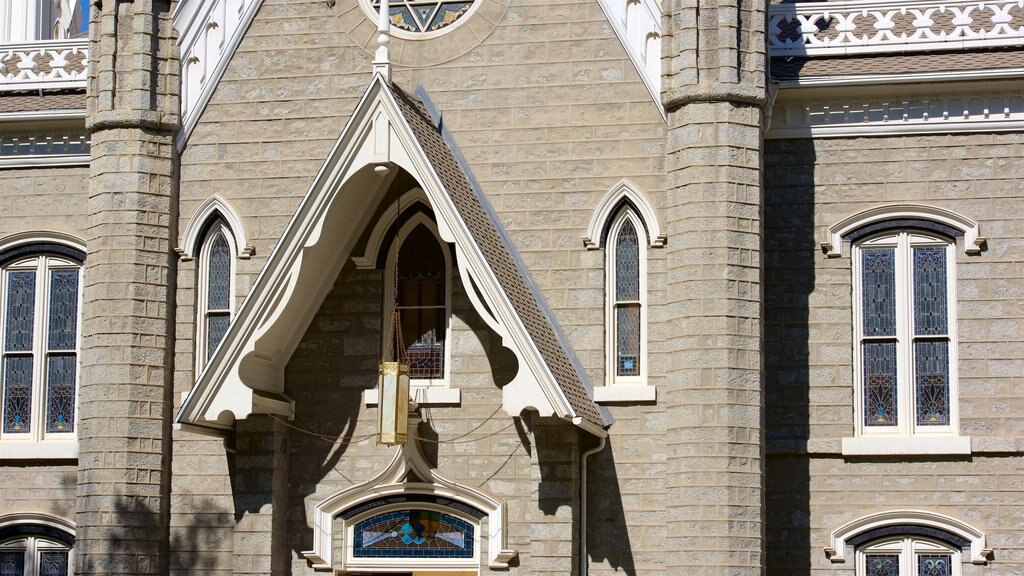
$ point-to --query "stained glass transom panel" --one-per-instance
(627, 263)
(413, 534)
(53, 563)
(424, 15)
(421, 303)
(934, 565)
(930, 314)
(218, 281)
(931, 387)
(60, 393)
(882, 565)
(63, 320)
(12, 563)
(880, 397)
(878, 290)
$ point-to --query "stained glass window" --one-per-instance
(215, 290)
(53, 563)
(413, 534)
(12, 563)
(904, 288)
(40, 362)
(425, 15)
(421, 296)
(883, 565)
(625, 268)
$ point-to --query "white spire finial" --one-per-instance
(382, 59)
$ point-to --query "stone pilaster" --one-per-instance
(260, 489)
(714, 91)
(125, 387)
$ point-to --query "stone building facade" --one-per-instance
(687, 287)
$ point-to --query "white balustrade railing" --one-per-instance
(49, 64)
(878, 26)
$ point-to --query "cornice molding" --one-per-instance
(876, 113)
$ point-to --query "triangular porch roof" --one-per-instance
(388, 130)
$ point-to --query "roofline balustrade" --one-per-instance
(45, 64)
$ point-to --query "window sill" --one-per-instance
(38, 450)
(921, 445)
(422, 396)
(625, 394)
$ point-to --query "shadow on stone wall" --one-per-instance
(607, 532)
(789, 280)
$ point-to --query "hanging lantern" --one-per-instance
(393, 403)
(393, 381)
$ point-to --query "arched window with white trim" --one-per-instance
(215, 293)
(907, 556)
(905, 389)
(35, 545)
(418, 286)
(626, 289)
(41, 292)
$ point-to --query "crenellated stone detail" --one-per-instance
(873, 26)
(714, 51)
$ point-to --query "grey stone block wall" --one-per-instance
(812, 490)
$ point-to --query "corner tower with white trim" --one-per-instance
(714, 93)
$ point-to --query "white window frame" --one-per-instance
(909, 549)
(906, 436)
(32, 546)
(217, 226)
(37, 443)
(624, 388)
(422, 390)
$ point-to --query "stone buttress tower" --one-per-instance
(714, 92)
(125, 398)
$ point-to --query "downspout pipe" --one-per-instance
(584, 563)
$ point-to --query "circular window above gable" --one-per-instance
(421, 19)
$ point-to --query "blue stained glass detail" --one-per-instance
(63, 322)
(878, 291)
(21, 310)
(627, 336)
(931, 386)
(930, 316)
(17, 394)
(882, 565)
(413, 534)
(934, 565)
(53, 563)
(424, 15)
(880, 402)
(218, 285)
(216, 328)
(60, 393)
(12, 563)
(627, 263)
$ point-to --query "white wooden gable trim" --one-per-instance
(246, 374)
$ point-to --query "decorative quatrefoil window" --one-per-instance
(425, 16)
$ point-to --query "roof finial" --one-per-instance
(382, 60)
